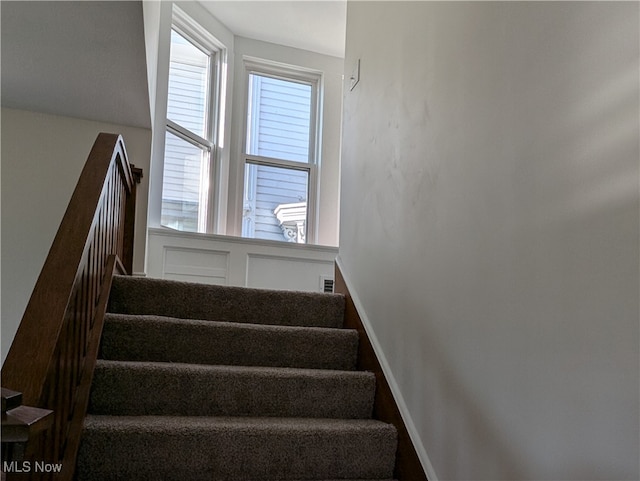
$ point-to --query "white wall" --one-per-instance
(42, 157)
(329, 166)
(490, 229)
(152, 15)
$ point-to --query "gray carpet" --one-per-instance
(132, 295)
(228, 384)
(154, 338)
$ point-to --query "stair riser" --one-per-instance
(235, 454)
(205, 342)
(132, 389)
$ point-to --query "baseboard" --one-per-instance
(412, 463)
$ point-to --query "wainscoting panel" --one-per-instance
(196, 265)
(236, 261)
(293, 274)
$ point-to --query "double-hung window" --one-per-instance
(280, 152)
(191, 128)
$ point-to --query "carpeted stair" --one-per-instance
(200, 382)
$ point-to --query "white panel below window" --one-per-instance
(286, 273)
(196, 265)
(203, 258)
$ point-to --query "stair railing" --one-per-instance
(53, 354)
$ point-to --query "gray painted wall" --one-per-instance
(69, 71)
(42, 157)
(490, 229)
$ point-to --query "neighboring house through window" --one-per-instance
(280, 152)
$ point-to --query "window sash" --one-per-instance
(294, 75)
(190, 79)
(251, 199)
(199, 38)
(279, 117)
(290, 73)
(185, 184)
(185, 134)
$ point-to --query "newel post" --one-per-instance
(130, 221)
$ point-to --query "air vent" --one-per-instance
(327, 285)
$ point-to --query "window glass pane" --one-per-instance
(188, 85)
(279, 118)
(185, 185)
(275, 203)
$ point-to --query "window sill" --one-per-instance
(167, 231)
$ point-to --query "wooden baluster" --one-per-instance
(75, 344)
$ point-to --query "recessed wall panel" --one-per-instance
(277, 272)
(196, 265)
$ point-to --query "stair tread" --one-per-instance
(235, 448)
(136, 295)
(160, 338)
(213, 368)
(191, 424)
(137, 388)
(228, 324)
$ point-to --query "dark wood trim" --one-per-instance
(10, 399)
(19, 425)
(408, 466)
(19, 422)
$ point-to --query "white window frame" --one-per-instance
(254, 65)
(217, 52)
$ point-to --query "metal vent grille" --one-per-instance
(327, 286)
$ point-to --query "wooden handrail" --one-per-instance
(52, 356)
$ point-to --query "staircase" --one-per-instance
(198, 382)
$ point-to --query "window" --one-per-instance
(191, 127)
(268, 179)
(280, 153)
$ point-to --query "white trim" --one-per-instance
(167, 231)
(281, 70)
(273, 162)
(188, 136)
(386, 369)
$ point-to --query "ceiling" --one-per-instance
(318, 26)
(59, 57)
